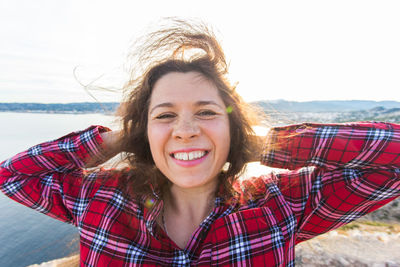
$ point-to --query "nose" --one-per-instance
(186, 129)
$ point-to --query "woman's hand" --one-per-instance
(111, 146)
(111, 141)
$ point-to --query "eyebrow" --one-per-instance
(198, 103)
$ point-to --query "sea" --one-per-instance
(26, 236)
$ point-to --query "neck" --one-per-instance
(193, 204)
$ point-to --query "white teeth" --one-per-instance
(189, 156)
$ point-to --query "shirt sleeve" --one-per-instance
(49, 177)
(335, 173)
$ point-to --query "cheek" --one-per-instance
(157, 137)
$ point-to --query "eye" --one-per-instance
(165, 116)
(206, 113)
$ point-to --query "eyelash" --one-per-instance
(207, 113)
(165, 116)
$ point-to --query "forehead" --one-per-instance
(177, 87)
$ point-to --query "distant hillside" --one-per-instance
(324, 106)
(84, 107)
(373, 114)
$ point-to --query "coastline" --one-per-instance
(68, 112)
(71, 261)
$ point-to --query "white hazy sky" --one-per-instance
(294, 50)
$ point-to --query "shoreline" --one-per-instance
(58, 112)
(70, 261)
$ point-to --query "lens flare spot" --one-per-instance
(229, 109)
(149, 203)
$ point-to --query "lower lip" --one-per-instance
(189, 163)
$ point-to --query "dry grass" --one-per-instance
(371, 226)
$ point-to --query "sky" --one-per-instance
(293, 50)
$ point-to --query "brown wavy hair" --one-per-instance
(179, 46)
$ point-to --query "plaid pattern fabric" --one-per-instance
(334, 173)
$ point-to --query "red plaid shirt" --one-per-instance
(335, 174)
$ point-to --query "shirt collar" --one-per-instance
(153, 205)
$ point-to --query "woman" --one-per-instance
(186, 136)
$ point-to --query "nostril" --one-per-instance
(185, 136)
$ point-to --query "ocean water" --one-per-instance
(26, 236)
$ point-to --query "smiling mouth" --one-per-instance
(187, 156)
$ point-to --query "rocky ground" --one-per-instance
(72, 261)
(373, 240)
(358, 244)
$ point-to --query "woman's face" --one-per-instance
(188, 129)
